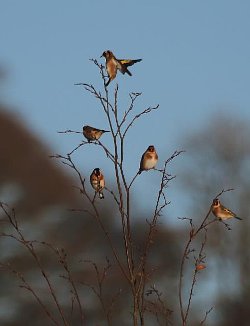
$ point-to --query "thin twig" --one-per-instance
(192, 235)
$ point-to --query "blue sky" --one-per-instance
(195, 62)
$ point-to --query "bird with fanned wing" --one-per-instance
(113, 64)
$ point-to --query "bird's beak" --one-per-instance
(102, 56)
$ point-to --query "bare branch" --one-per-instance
(192, 235)
(69, 131)
(206, 315)
(146, 111)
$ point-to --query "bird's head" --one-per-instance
(151, 148)
(107, 54)
(216, 202)
(97, 172)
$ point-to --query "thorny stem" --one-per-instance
(123, 199)
(206, 314)
(118, 164)
(96, 213)
(187, 250)
(100, 277)
(63, 261)
(106, 105)
(136, 274)
(29, 246)
(152, 225)
(197, 261)
(61, 254)
(119, 174)
(30, 289)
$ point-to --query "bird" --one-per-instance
(149, 159)
(91, 133)
(222, 212)
(112, 64)
(97, 181)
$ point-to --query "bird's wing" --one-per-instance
(128, 62)
(228, 210)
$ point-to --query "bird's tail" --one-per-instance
(136, 60)
(127, 71)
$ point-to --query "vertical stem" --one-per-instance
(118, 168)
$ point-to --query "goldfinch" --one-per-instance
(91, 133)
(112, 64)
(149, 159)
(222, 212)
(97, 181)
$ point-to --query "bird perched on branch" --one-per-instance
(112, 64)
(149, 159)
(97, 181)
(91, 133)
(222, 212)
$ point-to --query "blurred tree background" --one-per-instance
(218, 156)
(49, 208)
(202, 49)
(41, 193)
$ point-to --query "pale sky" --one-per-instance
(195, 62)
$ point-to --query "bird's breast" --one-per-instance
(111, 68)
(150, 161)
